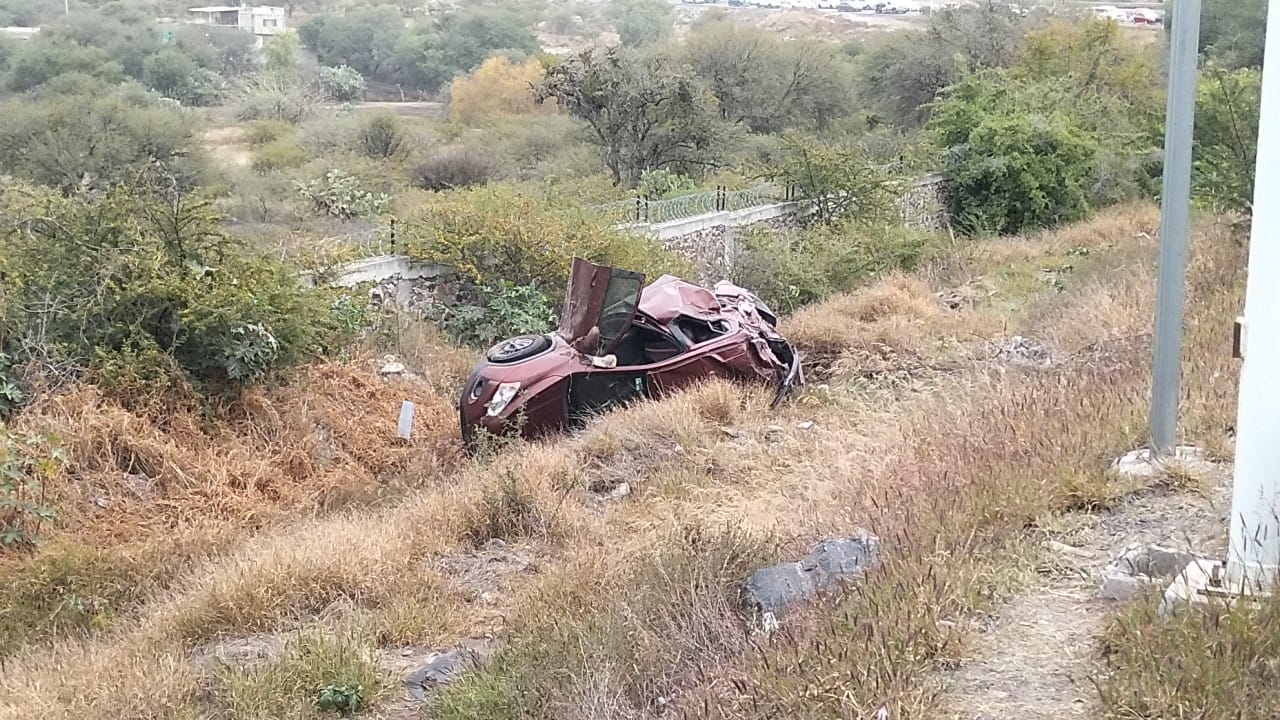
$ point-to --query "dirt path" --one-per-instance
(1034, 660)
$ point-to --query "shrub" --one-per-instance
(457, 166)
(497, 87)
(1226, 137)
(381, 138)
(657, 184)
(26, 465)
(341, 84)
(126, 281)
(501, 232)
(507, 512)
(278, 155)
(502, 312)
(1015, 161)
(261, 132)
(791, 269)
(266, 96)
(340, 194)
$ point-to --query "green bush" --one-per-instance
(1016, 160)
(341, 195)
(795, 268)
(1226, 138)
(381, 138)
(341, 84)
(26, 464)
(658, 184)
(501, 312)
(278, 155)
(130, 282)
(503, 232)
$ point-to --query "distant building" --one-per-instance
(263, 20)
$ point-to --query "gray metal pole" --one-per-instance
(1175, 212)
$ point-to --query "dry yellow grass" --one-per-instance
(633, 598)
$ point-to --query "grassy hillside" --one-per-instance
(301, 528)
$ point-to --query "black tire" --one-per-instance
(518, 348)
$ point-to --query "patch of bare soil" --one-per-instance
(1035, 659)
(227, 146)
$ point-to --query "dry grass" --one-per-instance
(144, 498)
(631, 612)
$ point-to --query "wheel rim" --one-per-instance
(514, 346)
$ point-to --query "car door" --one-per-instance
(599, 305)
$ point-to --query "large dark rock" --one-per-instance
(772, 590)
(441, 670)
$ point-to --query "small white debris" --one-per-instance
(620, 491)
(806, 425)
(1065, 549)
(392, 368)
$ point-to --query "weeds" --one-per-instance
(1207, 661)
(330, 673)
(24, 505)
(507, 512)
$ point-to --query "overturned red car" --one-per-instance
(620, 341)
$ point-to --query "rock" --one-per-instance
(1143, 464)
(142, 487)
(1024, 351)
(806, 425)
(1121, 586)
(441, 670)
(770, 591)
(241, 651)
(1139, 567)
(620, 491)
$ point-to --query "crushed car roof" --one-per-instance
(668, 297)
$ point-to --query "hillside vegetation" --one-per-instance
(205, 511)
(922, 433)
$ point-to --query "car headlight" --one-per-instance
(502, 397)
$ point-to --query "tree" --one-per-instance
(431, 57)
(280, 55)
(842, 183)
(1232, 32)
(364, 39)
(92, 141)
(227, 51)
(1016, 159)
(904, 72)
(640, 22)
(1226, 137)
(645, 113)
(41, 61)
(769, 84)
(173, 74)
(497, 87)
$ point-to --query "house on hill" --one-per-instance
(261, 20)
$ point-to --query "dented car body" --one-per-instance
(619, 341)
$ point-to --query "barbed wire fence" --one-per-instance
(920, 204)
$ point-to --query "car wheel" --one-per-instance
(518, 348)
